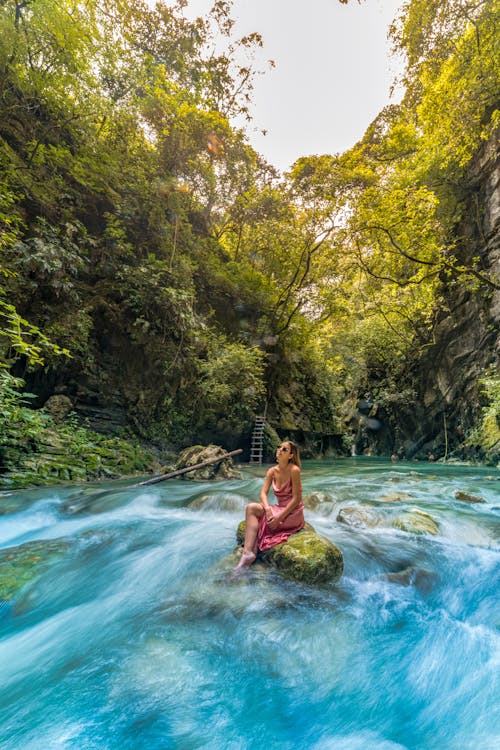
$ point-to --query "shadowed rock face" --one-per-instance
(305, 556)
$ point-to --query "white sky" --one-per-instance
(333, 72)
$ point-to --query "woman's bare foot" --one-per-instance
(246, 559)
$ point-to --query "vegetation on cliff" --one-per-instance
(166, 279)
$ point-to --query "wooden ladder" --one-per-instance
(257, 444)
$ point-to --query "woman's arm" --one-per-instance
(265, 489)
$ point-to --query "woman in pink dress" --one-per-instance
(267, 525)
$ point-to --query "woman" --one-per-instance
(267, 525)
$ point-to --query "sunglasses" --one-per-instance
(283, 450)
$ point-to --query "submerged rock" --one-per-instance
(197, 454)
(359, 516)
(416, 522)
(466, 498)
(422, 578)
(314, 500)
(305, 556)
(19, 565)
(413, 521)
(393, 497)
(225, 501)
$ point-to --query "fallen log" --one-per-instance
(178, 472)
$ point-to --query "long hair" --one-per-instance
(295, 450)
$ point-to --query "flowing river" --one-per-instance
(128, 633)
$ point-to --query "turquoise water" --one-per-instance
(134, 637)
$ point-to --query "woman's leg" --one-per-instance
(253, 513)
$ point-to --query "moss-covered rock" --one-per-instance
(19, 565)
(197, 454)
(305, 556)
(67, 452)
(416, 521)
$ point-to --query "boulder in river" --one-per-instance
(198, 454)
(393, 497)
(466, 498)
(225, 501)
(360, 516)
(416, 521)
(305, 556)
(317, 501)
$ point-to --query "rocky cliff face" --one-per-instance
(466, 344)
(467, 340)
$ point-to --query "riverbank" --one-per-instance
(51, 453)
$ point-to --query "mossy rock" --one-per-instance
(197, 454)
(305, 556)
(416, 522)
(19, 565)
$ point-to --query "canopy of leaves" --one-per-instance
(151, 259)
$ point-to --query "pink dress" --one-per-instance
(292, 523)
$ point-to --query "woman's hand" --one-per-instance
(273, 523)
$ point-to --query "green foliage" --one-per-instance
(19, 426)
(487, 434)
(231, 386)
(35, 450)
(402, 188)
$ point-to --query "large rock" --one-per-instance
(305, 556)
(360, 516)
(413, 520)
(58, 406)
(318, 501)
(465, 497)
(197, 454)
(416, 521)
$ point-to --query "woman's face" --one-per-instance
(285, 449)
